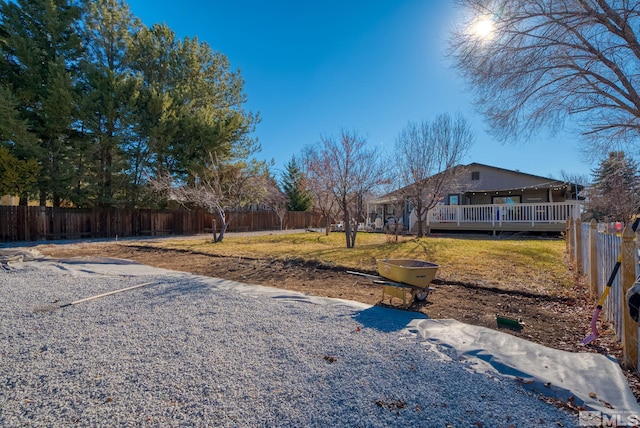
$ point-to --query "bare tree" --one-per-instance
(219, 188)
(346, 171)
(533, 63)
(276, 200)
(428, 158)
(578, 182)
(323, 200)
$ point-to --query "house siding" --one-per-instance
(541, 194)
(496, 178)
(494, 182)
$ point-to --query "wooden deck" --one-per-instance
(538, 217)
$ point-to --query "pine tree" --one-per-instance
(616, 192)
(18, 170)
(293, 185)
(111, 91)
(38, 62)
(110, 102)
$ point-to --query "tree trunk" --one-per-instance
(225, 224)
(353, 233)
(43, 198)
(347, 227)
(221, 235)
(328, 227)
(420, 214)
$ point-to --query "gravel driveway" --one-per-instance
(193, 351)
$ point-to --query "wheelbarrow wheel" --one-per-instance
(421, 295)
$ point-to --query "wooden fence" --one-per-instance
(18, 223)
(595, 249)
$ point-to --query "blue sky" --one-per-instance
(313, 68)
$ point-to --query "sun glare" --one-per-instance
(483, 28)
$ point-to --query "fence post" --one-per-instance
(628, 276)
(578, 249)
(593, 259)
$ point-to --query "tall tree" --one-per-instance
(18, 171)
(111, 90)
(294, 185)
(158, 110)
(212, 118)
(349, 171)
(17, 176)
(427, 156)
(615, 194)
(190, 105)
(14, 131)
(38, 62)
(533, 63)
(111, 102)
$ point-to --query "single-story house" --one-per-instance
(488, 198)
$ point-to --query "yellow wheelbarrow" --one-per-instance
(397, 276)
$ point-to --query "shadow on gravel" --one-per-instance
(386, 319)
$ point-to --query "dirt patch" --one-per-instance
(556, 322)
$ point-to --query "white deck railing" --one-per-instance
(497, 214)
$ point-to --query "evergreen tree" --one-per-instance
(154, 58)
(615, 195)
(13, 130)
(189, 108)
(295, 189)
(211, 120)
(127, 104)
(38, 63)
(18, 171)
(111, 91)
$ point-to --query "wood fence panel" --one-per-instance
(144, 220)
(303, 220)
(25, 219)
(178, 221)
(37, 223)
(201, 221)
(183, 222)
(19, 223)
(9, 223)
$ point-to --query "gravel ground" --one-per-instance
(187, 351)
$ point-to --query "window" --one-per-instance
(454, 200)
(506, 199)
(475, 175)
